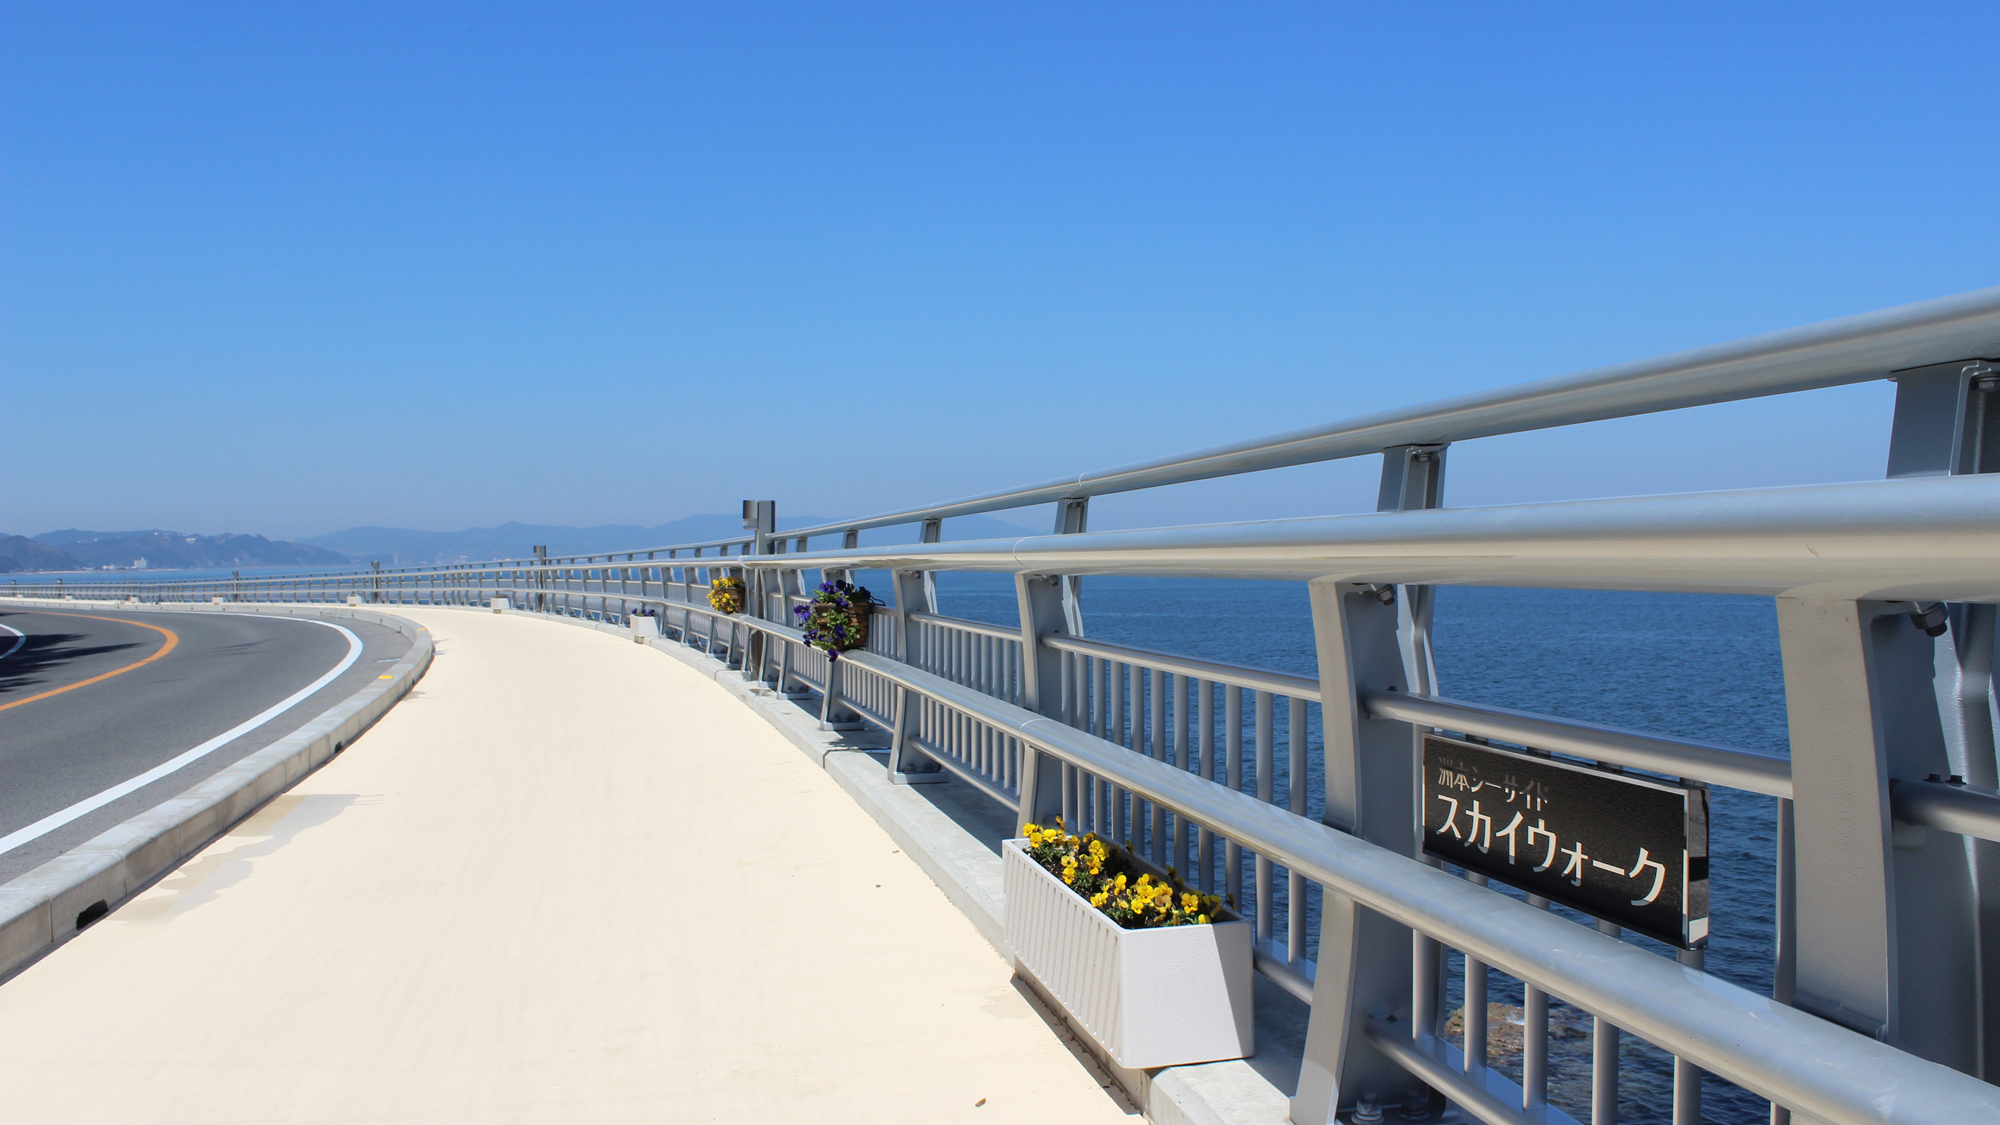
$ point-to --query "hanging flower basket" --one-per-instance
(725, 595)
(836, 620)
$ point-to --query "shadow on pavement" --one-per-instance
(45, 654)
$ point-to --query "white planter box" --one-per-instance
(1150, 998)
(643, 628)
(500, 605)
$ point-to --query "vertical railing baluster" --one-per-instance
(1156, 825)
(1534, 1038)
(1426, 953)
(1687, 1076)
(1784, 968)
(1232, 755)
(1474, 1013)
(1604, 1060)
(1120, 672)
(1070, 707)
(1266, 793)
(1295, 801)
(1204, 723)
(1182, 727)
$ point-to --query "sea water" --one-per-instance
(1704, 667)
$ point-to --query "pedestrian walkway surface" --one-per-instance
(569, 879)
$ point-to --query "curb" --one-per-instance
(52, 903)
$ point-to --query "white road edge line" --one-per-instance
(88, 805)
(20, 639)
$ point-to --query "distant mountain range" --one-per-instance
(398, 546)
(19, 553)
(75, 549)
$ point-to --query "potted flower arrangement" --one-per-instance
(836, 620)
(725, 595)
(1157, 974)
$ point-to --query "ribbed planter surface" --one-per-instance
(1150, 998)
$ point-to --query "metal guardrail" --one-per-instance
(1852, 349)
(1205, 763)
(1675, 757)
(1931, 538)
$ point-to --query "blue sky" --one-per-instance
(286, 269)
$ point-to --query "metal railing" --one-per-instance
(1885, 593)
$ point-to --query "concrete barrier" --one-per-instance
(49, 905)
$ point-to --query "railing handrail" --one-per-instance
(1769, 774)
(1830, 353)
(1930, 538)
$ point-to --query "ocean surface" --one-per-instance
(1698, 666)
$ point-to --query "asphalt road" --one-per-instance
(94, 698)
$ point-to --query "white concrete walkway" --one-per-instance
(567, 880)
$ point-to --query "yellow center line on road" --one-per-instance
(172, 640)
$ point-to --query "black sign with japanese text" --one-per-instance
(1630, 850)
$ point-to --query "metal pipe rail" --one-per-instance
(1831, 353)
(1967, 810)
(1922, 538)
(1676, 757)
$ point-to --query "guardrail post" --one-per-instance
(1412, 480)
(1885, 914)
(1364, 961)
(760, 517)
(932, 531)
(1072, 518)
(1947, 422)
(1042, 614)
(907, 764)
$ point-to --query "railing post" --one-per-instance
(1947, 422)
(1412, 480)
(1042, 614)
(907, 764)
(1885, 915)
(760, 517)
(1072, 518)
(932, 531)
(1364, 961)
